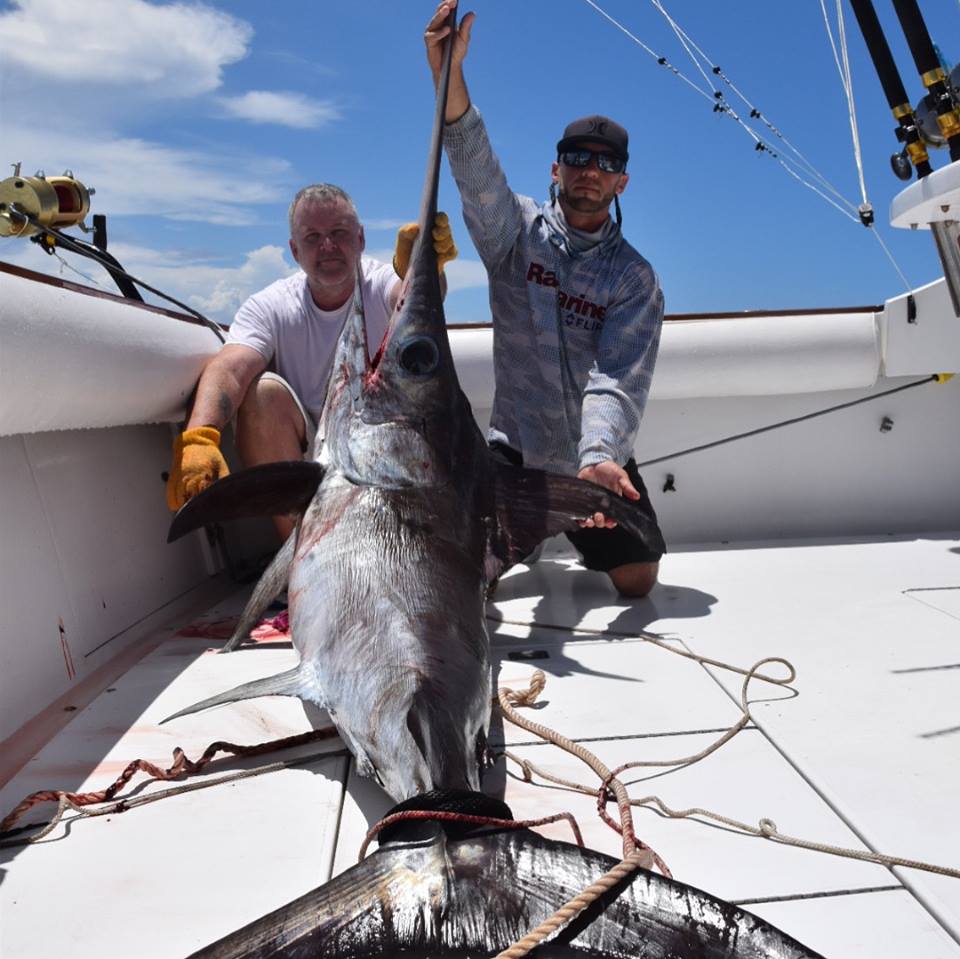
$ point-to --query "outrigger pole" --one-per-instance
(931, 72)
(908, 130)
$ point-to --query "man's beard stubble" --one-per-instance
(584, 204)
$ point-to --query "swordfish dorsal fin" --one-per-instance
(269, 490)
(533, 505)
(289, 683)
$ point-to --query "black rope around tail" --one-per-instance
(449, 800)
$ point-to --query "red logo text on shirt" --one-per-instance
(536, 273)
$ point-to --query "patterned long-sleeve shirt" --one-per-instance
(576, 331)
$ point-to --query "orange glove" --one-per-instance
(442, 243)
(197, 464)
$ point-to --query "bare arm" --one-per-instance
(224, 384)
(458, 99)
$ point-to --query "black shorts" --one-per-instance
(604, 549)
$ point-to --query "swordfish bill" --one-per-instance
(404, 519)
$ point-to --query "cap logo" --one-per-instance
(599, 126)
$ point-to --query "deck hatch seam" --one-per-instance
(629, 736)
(918, 894)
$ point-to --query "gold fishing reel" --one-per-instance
(54, 201)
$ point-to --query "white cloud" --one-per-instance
(465, 275)
(174, 49)
(231, 287)
(461, 274)
(135, 176)
(284, 108)
(383, 224)
(214, 289)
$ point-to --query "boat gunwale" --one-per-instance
(28, 274)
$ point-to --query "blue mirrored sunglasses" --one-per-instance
(606, 162)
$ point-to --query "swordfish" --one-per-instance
(405, 519)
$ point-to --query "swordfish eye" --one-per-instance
(419, 355)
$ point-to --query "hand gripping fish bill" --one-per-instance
(405, 518)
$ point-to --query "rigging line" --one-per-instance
(754, 112)
(846, 79)
(851, 103)
(849, 204)
(72, 245)
(683, 38)
(785, 163)
(893, 262)
(847, 83)
(726, 109)
(847, 213)
(66, 265)
(656, 56)
(797, 419)
(833, 46)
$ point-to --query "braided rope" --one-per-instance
(181, 766)
(766, 827)
(508, 697)
(729, 734)
(574, 907)
(636, 854)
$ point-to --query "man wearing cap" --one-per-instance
(576, 311)
(292, 327)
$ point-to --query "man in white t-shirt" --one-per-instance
(292, 327)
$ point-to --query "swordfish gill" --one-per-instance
(405, 518)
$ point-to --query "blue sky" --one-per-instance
(196, 123)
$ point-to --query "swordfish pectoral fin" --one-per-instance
(289, 683)
(272, 489)
(533, 505)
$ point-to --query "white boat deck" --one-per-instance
(862, 753)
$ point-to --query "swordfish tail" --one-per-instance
(432, 891)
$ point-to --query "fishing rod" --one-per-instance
(941, 102)
(908, 129)
(931, 72)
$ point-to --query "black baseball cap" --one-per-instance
(595, 129)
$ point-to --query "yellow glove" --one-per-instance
(442, 242)
(197, 464)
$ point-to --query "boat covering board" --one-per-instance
(70, 360)
(733, 356)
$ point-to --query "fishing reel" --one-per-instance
(56, 201)
(41, 207)
(900, 162)
(926, 111)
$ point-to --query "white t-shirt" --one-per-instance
(298, 339)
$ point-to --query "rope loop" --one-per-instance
(528, 696)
